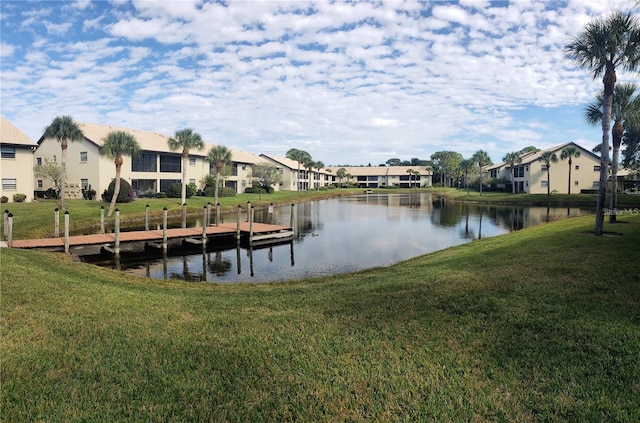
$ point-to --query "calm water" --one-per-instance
(342, 235)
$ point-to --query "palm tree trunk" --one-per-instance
(215, 190)
(569, 184)
(185, 162)
(513, 180)
(116, 191)
(613, 201)
(63, 165)
(609, 82)
(548, 183)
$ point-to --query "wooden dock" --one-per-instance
(254, 233)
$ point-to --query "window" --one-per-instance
(545, 167)
(84, 183)
(8, 152)
(192, 161)
(166, 183)
(544, 183)
(9, 184)
(577, 167)
(83, 157)
(145, 162)
(39, 161)
(170, 163)
(596, 168)
(518, 172)
(575, 183)
(40, 184)
(192, 181)
(244, 183)
(526, 168)
(372, 178)
(493, 173)
(55, 158)
(244, 167)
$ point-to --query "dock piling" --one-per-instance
(56, 230)
(146, 218)
(66, 231)
(184, 215)
(238, 223)
(102, 219)
(9, 228)
(204, 225)
(116, 231)
(164, 229)
(6, 223)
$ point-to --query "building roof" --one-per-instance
(286, 162)
(155, 141)
(10, 134)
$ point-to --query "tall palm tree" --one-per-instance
(220, 156)
(185, 139)
(512, 159)
(467, 167)
(319, 166)
(606, 44)
(299, 156)
(482, 158)
(341, 173)
(114, 146)
(410, 172)
(569, 152)
(547, 158)
(624, 110)
(63, 129)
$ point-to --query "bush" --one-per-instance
(222, 192)
(161, 194)
(19, 198)
(175, 190)
(89, 194)
(4, 199)
(125, 195)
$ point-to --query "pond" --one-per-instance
(340, 235)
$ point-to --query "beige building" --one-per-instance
(530, 175)
(154, 170)
(385, 176)
(298, 177)
(17, 162)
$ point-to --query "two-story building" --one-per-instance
(385, 176)
(16, 165)
(530, 175)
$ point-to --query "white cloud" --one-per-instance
(6, 49)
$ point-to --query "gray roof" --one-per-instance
(10, 134)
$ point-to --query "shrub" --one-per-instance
(175, 190)
(222, 192)
(125, 195)
(161, 194)
(4, 199)
(19, 198)
(89, 194)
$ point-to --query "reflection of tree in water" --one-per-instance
(446, 213)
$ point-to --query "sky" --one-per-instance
(351, 83)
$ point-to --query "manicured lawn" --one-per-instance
(538, 325)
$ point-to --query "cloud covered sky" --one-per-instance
(350, 83)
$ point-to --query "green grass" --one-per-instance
(539, 325)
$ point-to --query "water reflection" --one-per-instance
(340, 235)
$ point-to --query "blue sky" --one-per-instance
(350, 83)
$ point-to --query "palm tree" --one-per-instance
(64, 129)
(410, 172)
(512, 159)
(482, 158)
(220, 156)
(604, 45)
(341, 173)
(467, 166)
(625, 108)
(114, 145)
(319, 166)
(547, 158)
(186, 139)
(299, 156)
(569, 152)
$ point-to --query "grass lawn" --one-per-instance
(538, 325)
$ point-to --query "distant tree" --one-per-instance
(63, 129)
(394, 162)
(266, 174)
(299, 156)
(51, 171)
(624, 112)
(467, 166)
(319, 165)
(512, 159)
(185, 139)
(569, 153)
(341, 173)
(220, 156)
(446, 163)
(604, 45)
(482, 158)
(547, 158)
(114, 146)
(529, 149)
(631, 152)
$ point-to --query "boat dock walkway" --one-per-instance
(257, 233)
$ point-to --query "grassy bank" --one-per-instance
(538, 325)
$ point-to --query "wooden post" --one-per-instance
(292, 216)
(164, 229)
(184, 215)
(101, 219)
(66, 231)
(56, 230)
(6, 223)
(238, 223)
(116, 230)
(146, 218)
(248, 209)
(251, 226)
(270, 211)
(204, 226)
(217, 214)
(9, 229)
(209, 213)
